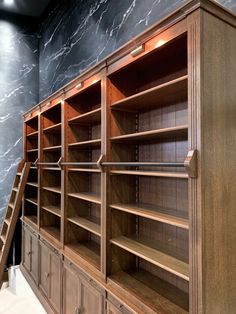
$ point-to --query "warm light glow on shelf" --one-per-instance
(94, 81)
(160, 43)
(137, 51)
(79, 85)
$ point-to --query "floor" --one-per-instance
(18, 296)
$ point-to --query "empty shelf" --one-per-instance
(33, 134)
(84, 170)
(34, 184)
(91, 197)
(88, 250)
(32, 200)
(160, 95)
(52, 148)
(91, 117)
(180, 175)
(53, 128)
(153, 134)
(32, 150)
(150, 212)
(86, 224)
(89, 143)
(53, 231)
(154, 256)
(52, 209)
(32, 219)
(159, 295)
(52, 189)
(51, 168)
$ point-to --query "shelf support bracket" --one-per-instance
(59, 163)
(99, 162)
(190, 164)
(36, 163)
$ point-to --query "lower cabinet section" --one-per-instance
(61, 286)
(50, 275)
(30, 253)
(81, 294)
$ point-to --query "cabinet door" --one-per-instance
(112, 309)
(54, 292)
(70, 291)
(43, 267)
(26, 249)
(91, 299)
(34, 258)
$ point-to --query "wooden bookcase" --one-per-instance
(129, 201)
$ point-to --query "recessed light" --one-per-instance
(8, 2)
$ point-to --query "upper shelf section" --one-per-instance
(85, 107)
(160, 95)
(157, 78)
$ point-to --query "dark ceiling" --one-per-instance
(25, 7)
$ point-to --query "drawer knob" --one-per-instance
(28, 253)
(46, 275)
(78, 311)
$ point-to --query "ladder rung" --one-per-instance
(12, 214)
(7, 221)
(3, 238)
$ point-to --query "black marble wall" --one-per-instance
(77, 34)
(18, 92)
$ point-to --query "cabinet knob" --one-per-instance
(46, 275)
(78, 311)
(28, 253)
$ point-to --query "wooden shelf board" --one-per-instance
(52, 209)
(91, 197)
(32, 150)
(52, 189)
(179, 175)
(86, 224)
(90, 251)
(19, 174)
(33, 219)
(11, 205)
(33, 134)
(51, 169)
(15, 189)
(33, 168)
(91, 117)
(159, 295)
(32, 200)
(84, 170)
(89, 143)
(154, 256)
(34, 184)
(152, 134)
(163, 94)
(52, 231)
(53, 128)
(52, 148)
(151, 212)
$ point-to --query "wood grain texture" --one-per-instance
(218, 169)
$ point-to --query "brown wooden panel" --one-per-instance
(54, 291)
